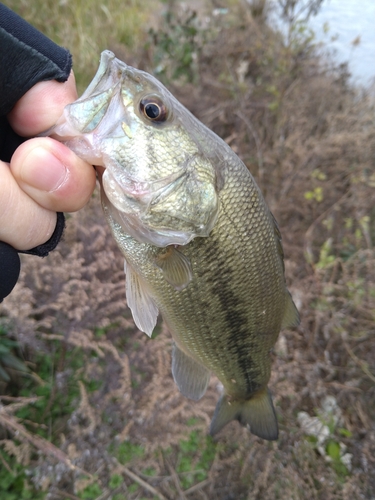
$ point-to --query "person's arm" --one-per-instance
(27, 57)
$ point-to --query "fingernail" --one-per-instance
(42, 170)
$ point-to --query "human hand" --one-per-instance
(44, 176)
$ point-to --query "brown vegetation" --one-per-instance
(309, 139)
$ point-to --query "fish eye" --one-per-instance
(153, 109)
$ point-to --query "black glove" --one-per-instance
(26, 58)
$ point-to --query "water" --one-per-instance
(350, 35)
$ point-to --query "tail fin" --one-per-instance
(258, 413)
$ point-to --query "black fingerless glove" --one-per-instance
(26, 58)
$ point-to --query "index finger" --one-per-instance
(41, 106)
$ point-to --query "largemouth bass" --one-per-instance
(200, 244)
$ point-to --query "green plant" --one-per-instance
(296, 13)
(195, 457)
(115, 481)
(325, 255)
(54, 405)
(91, 492)
(325, 435)
(334, 451)
(315, 194)
(177, 45)
(8, 358)
(126, 452)
(15, 482)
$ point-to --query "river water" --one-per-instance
(350, 36)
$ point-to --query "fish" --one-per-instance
(201, 246)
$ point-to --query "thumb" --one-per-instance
(23, 223)
(52, 175)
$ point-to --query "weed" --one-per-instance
(53, 406)
(176, 46)
(325, 255)
(15, 483)
(194, 458)
(127, 451)
(115, 481)
(133, 488)
(149, 471)
(316, 194)
(323, 432)
(91, 492)
(8, 360)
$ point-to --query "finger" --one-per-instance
(23, 223)
(41, 106)
(52, 175)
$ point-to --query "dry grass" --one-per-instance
(87, 27)
(309, 139)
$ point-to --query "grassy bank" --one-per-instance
(98, 415)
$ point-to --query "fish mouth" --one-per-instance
(110, 71)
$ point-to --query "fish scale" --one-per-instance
(200, 244)
(231, 336)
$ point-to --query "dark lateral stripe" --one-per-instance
(236, 321)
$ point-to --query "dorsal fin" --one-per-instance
(276, 230)
(291, 315)
(143, 308)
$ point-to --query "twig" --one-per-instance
(140, 481)
(63, 494)
(344, 387)
(197, 486)
(362, 415)
(258, 145)
(359, 362)
(34, 424)
(125, 431)
(12, 424)
(176, 481)
(309, 232)
(18, 403)
(5, 464)
(19, 399)
(106, 494)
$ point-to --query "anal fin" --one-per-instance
(143, 308)
(257, 413)
(191, 377)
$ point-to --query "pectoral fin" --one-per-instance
(291, 315)
(143, 308)
(191, 377)
(257, 413)
(176, 267)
